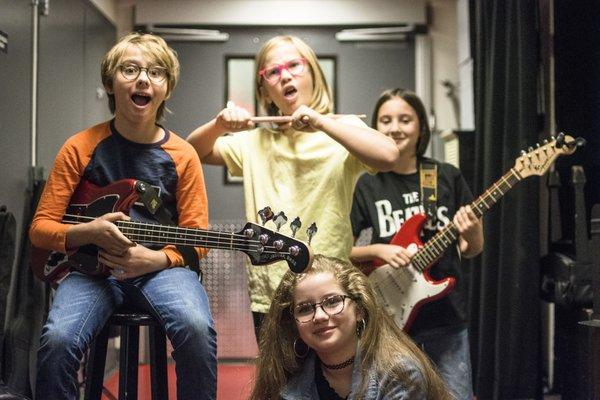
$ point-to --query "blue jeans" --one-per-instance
(82, 306)
(448, 348)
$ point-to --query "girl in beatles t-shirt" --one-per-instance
(386, 200)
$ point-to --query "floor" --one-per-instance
(233, 382)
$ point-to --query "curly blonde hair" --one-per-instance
(380, 342)
(152, 46)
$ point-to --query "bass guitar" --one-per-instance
(402, 291)
(89, 201)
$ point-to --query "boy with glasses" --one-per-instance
(139, 74)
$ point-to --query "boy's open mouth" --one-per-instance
(140, 99)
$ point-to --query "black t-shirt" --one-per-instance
(386, 200)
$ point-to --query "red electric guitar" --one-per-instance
(403, 291)
(261, 245)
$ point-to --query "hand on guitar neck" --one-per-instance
(470, 232)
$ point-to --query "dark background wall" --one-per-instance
(577, 79)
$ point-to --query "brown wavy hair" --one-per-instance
(381, 342)
(152, 46)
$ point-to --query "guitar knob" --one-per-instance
(249, 233)
(294, 250)
(264, 238)
(278, 244)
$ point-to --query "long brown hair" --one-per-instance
(415, 102)
(381, 342)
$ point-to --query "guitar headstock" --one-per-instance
(536, 161)
(266, 246)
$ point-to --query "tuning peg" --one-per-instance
(280, 219)
(545, 141)
(266, 214)
(312, 229)
(523, 153)
(579, 142)
(295, 225)
(560, 140)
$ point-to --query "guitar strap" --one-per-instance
(149, 196)
(428, 183)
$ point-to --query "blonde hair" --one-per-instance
(321, 100)
(381, 342)
(152, 46)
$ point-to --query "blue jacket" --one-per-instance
(302, 386)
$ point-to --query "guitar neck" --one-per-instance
(142, 232)
(439, 243)
(261, 245)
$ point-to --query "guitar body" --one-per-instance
(90, 201)
(403, 291)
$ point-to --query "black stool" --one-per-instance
(130, 323)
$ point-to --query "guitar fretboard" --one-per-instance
(437, 245)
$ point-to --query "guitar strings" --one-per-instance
(435, 247)
(189, 237)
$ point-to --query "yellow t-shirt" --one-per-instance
(304, 174)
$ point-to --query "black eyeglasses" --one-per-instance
(331, 305)
(131, 72)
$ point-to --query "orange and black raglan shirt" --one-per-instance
(102, 156)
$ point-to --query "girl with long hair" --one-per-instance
(326, 337)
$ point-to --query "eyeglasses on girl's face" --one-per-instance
(155, 73)
(331, 305)
(272, 73)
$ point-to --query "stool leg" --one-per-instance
(94, 368)
(128, 362)
(158, 363)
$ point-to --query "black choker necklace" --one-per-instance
(341, 365)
